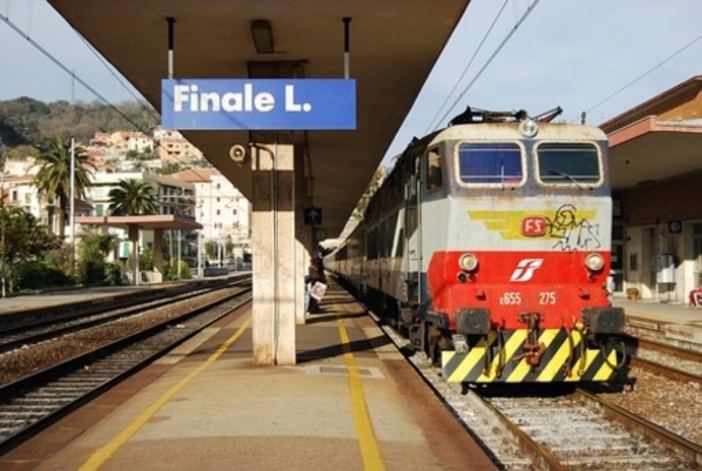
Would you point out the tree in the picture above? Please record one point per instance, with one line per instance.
(133, 198)
(101, 243)
(54, 176)
(92, 269)
(170, 168)
(23, 239)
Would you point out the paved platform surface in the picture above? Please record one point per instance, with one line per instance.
(35, 301)
(660, 311)
(350, 403)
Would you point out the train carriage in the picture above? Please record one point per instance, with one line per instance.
(489, 245)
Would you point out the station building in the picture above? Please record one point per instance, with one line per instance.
(656, 164)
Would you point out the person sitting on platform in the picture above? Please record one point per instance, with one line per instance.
(312, 277)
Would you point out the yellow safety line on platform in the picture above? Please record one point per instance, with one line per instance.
(364, 429)
(103, 454)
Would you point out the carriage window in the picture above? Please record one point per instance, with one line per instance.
(490, 163)
(434, 179)
(568, 163)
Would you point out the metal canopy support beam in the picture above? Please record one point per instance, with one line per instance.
(347, 48)
(171, 45)
(273, 226)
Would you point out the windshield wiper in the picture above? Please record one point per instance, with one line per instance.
(567, 177)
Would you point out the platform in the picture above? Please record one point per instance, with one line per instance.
(352, 402)
(659, 311)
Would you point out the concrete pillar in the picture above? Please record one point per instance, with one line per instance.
(273, 229)
(134, 253)
(158, 254)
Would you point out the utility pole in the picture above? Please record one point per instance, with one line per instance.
(3, 156)
(72, 202)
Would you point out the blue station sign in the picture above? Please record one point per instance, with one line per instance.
(258, 104)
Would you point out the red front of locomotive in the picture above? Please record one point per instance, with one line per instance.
(512, 287)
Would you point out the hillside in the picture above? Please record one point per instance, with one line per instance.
(26, 121)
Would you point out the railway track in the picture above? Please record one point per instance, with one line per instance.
(679, 364)
(580, 431)
(18, 332)
(570, 430)
(31, 403)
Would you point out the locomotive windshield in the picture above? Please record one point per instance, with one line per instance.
(495, 162)
(562, 162)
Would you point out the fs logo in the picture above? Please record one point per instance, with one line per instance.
(533, 226)
(526, 268)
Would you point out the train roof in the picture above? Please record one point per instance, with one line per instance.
(510, 131)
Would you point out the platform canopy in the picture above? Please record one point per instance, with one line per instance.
(659, 139)
(393, 47)
(158, 221)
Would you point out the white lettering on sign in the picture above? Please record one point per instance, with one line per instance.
(290, 104)
(247, 100)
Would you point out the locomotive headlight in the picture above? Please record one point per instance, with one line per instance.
(528, 128)
(468, 262)
(594, 262)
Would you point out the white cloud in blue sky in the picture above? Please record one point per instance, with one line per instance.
(568, 53)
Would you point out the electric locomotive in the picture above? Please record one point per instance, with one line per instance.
(489, 246)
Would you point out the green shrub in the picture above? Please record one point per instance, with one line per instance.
(36, 275)
(114, 274)
(171, 269)
(91, 271)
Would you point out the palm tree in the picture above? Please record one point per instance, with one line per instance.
(132, 198)
(54, 176)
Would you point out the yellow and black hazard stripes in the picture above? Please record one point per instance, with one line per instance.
(499, 359)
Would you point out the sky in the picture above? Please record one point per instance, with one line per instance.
(598, 56)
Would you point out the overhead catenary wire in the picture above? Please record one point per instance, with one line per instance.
(465, 69)
(63, 67)
(632, 82)
(526, 14)
(152, 113)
